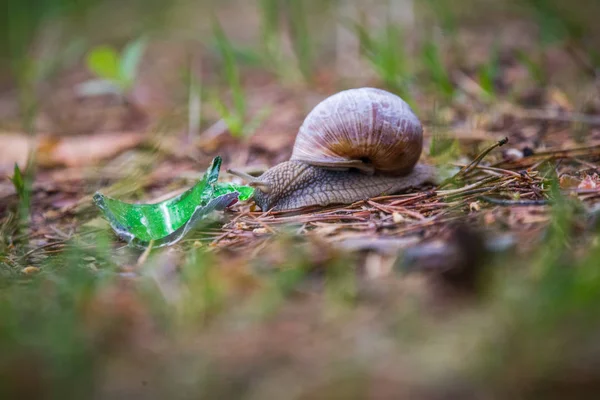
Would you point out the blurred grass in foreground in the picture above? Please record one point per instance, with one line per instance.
(63, 328)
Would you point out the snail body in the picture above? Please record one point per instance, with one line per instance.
(356, 144)
(296, 184)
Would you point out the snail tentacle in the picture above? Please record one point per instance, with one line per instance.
(252, 180)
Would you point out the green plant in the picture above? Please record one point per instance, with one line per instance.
(533, 66)
(116, 73)
(437, 71)
(269, 25)
(204, 287)
(300, 36)
(563, 25)
(43, 324)
(18, 182)
(443, 146)
(235, 117)
(272, 56)
(445, 16)
(386, 54)
(341, 286)
(489, 72)
(22, 183)
(555, 25)
(194, 99)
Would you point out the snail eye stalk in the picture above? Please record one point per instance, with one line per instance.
(252, 180)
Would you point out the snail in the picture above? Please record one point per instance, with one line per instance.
(354, 145)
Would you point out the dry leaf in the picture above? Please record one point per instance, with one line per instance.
(85, 150)
(568, 182)
(73, 151)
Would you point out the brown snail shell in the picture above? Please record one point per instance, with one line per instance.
(369, 129)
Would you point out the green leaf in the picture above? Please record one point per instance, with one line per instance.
(270, 11)
(167, 222)
(387, 57)
(300, 36)
(18, 181)
(551, 26)
(130, 60)
(234, 121)
(103, 61)
(490, 71)
(230, 69)
(432, 60)
(22, 184)
(442, 144)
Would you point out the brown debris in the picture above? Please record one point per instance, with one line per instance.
(74, 151)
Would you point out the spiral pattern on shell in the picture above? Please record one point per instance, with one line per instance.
(365, 128)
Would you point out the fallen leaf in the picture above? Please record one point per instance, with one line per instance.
(568, 182)
(72, 151)
(85, 150)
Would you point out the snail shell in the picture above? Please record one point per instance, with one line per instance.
(354, 145)
(369, 129)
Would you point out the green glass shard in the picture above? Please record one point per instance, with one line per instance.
(245, 192)
(167, 222)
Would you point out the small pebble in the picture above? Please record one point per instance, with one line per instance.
(513, 154)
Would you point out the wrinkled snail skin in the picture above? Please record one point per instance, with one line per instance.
(296, 184)
(356, 144)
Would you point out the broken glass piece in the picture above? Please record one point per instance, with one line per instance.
(167, 222)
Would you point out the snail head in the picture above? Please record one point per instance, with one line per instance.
(253, 181)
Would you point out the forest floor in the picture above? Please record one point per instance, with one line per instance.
(485, 287)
